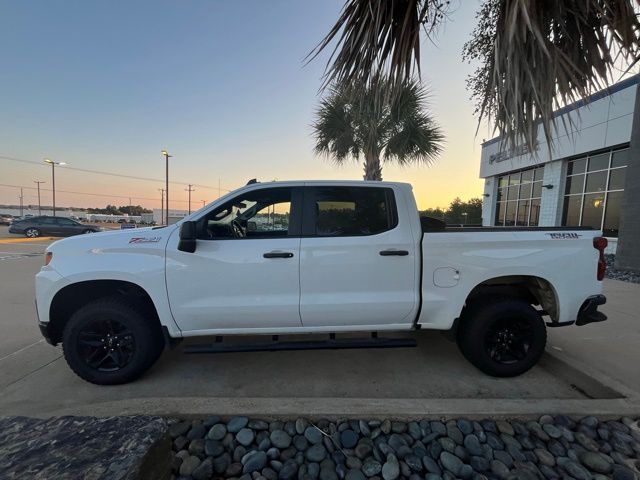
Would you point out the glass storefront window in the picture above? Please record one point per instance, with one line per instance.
(593, 199)
(518, 201)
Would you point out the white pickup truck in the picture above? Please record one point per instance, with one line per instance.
(314, 257)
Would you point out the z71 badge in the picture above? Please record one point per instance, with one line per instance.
(145, 240)
(564, 236)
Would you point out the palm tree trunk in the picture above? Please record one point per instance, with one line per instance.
(628, 252)
(372, 168)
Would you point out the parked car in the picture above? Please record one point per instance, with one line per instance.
(54, 226)
(341, 257)
(6, 219)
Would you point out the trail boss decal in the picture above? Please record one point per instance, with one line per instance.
(564, 236)
(145, 240)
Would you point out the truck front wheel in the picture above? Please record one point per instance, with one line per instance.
(502, 336)
(109, 342)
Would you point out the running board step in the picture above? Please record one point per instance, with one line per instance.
(332, 344)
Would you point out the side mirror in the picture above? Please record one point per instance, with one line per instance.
(187, 241)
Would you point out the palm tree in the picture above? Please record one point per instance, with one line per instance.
(535, 55)
(359, 121)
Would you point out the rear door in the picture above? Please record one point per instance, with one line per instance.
(357, 259)
(67, 227)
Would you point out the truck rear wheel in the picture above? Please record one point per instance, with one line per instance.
(109, 342)
(502, 336)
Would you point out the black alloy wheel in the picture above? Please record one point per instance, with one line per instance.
(508, 341)
(106, 345)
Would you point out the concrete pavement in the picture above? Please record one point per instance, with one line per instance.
(432, 379)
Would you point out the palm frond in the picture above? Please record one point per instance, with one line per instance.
(537, 56)
(379, 38)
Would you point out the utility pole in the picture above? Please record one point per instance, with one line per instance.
(161, 190)
(190, 190)
(53, 180)
(219, 191)
(203, 203)
(21, 197)
(39, 207)
(166, 186)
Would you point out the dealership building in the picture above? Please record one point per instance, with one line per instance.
(580, 182)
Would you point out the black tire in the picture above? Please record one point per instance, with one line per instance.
(32, 232)
(502, 336)
(132, 347)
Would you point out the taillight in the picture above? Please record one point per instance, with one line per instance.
(600, 243)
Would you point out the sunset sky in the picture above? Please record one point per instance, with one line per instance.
(105, 86)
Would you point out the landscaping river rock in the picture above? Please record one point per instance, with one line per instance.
(554, 447)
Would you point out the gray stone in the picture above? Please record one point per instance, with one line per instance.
(213, 448)
(465, 471)
(288, 471)
(348, 439)
(451, 462)
(499, 469)
(371, 467)
(301, 425)
(385, 427)
(503, 457)
(494, 441)
(591, 422)
(480, 464)
(438, 427)
(432, 476)
(556, 448)
(354, 474)
(179, 428)
(455, 434)
(545, 420)
(552, 430)
(255, 462)
(548, 472)
(364, 428)
(447, 444)
(197, 431)
(461, 453)
(280, 439)
(269, 473)
(587, 442)
(391, 468)
(504, 427)
(313, 469)
(544, 457)
(189, 464)
(264, 444)
(414, 430)
(221, 463)
(236, 424)
(341, 470)
(316, 453)
(398, 427)
(431, 465)
(413, 462)
(233, 470)
(465, 426)
(204, 471)
(396, 441)
(300, 442)
(258, 425)
(595, 461)
(353, 462)
(472, 444)
(575, 470)
(196, 447)
(363, 450)
(623, 473)
(314, 435)
(180, 443)
(245, 437)
(217, 432)
(328, 474)
(403, 451)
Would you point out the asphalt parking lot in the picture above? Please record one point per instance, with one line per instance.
(589, 367)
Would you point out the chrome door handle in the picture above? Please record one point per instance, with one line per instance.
(277, 255)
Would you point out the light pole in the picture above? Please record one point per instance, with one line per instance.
(166, 186)
(464, 214)
(39, 207)
(161, 190)
(21, 201)
(53, 180)
(204, 202)
(189, 190)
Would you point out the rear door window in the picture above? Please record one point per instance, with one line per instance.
(349, 211)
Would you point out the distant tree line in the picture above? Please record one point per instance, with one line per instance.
(124, 210)
(458, 212)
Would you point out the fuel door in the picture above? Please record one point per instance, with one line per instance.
(446, 277)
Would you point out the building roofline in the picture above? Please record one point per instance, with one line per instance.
(605, 92)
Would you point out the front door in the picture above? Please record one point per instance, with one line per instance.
(244, 274)
(358, 260)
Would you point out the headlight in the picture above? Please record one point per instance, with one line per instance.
(48, 256)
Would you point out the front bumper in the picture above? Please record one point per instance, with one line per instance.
(589, 313)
